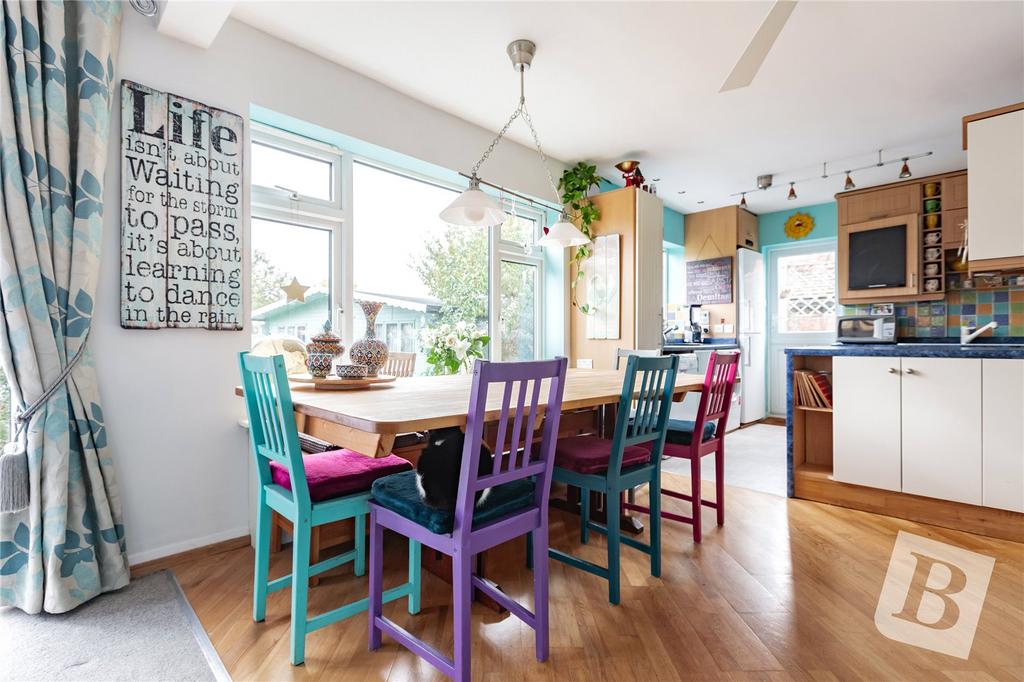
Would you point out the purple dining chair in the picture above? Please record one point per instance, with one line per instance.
(516, 505)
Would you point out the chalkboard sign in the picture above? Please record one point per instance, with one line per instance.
(709, 281)
(181, 219)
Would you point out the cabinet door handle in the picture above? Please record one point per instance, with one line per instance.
(892, 370)
(910, 370)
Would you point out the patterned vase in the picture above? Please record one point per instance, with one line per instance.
(321, 351)
(370, 350)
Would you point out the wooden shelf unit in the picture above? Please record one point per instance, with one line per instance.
(940, 275)
(812, 426)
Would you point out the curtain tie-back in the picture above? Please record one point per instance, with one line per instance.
(14, 485)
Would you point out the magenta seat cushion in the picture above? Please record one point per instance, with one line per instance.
(336, 473)
(590, 454)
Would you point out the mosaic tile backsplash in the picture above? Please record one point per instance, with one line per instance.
(961, 307)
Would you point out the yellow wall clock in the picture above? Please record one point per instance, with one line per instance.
(799, 225)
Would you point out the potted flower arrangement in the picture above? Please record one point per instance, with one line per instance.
(451, 348)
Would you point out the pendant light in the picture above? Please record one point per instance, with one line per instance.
(792, 192)
(848, 185)
(743, 200)
(905, 171)
(475, 208)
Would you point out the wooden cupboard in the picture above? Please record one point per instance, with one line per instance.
(995, 160)
(638, 217)
(866, 451)
(1002, 434)
(941, 433)
(873, 204)
(911, 266)
(716, 234)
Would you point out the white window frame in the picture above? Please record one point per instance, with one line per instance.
(300, 146)
(337, 216)
(507, 250)
(302, 211)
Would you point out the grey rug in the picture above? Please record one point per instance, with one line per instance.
(755, 458)
(146, 631)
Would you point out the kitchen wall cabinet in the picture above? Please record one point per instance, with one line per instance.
(715, 234)
(881, 203)
(1002, 438)
(954, 191)
(866, 421)
(995, 161)
(941, 434)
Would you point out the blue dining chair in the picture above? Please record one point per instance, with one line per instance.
(309, 491)
(612, 467)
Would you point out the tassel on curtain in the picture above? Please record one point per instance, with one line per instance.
(56, 87)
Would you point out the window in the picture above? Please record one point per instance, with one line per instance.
(425, 271)
(806, 292)
(353, 230)
(519, 276)
(287, 169)
(296, 235)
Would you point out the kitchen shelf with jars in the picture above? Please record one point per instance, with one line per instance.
(932, 256)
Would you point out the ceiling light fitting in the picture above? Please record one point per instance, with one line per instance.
(475, 208)
(792, 192)
(743, 200)
(764, 182)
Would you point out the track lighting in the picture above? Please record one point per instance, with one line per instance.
(905, 171)
(743, 200)
(848, 185)
(792, 192)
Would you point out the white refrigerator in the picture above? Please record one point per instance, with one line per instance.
(750, 334)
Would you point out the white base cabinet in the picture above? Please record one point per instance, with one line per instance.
(941, 443)
(866, 421)
(947, 428)
(1002, 434)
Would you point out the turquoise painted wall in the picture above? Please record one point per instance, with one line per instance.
(771, 226)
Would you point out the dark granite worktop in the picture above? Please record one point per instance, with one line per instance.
(999, 347)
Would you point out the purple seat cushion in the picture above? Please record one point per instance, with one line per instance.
(590, 454)
(336, 473)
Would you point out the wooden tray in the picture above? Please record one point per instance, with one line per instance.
(336, 383)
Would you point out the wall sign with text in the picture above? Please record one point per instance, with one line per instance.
(181, 215)
(709, 281)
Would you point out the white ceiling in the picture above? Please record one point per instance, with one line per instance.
(616, 80)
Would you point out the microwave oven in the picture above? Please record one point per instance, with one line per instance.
(866, 329)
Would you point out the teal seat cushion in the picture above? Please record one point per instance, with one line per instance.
(680, 431)
(399, 493)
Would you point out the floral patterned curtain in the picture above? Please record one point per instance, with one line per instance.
(56, 84)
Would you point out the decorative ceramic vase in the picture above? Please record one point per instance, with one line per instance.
(370, 350)
(321, 351)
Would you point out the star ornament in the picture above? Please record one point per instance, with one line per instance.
(295, 291)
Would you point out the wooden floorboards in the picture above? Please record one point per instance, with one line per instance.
(786, 590)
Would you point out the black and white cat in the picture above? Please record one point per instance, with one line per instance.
(439, 466)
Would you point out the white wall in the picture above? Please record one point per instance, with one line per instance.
(182, 460)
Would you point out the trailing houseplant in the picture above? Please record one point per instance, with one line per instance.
(575, 185)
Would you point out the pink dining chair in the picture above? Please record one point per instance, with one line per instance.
(712, 416)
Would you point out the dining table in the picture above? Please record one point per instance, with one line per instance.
(370, 420)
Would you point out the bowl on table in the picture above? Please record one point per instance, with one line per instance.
(350, 371)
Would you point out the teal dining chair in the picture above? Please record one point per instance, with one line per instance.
(614, 466)
(309, 491)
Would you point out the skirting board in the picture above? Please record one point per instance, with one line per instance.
(813, 483)
(179, 547)
(169, 562)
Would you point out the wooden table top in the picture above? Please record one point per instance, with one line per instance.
(419, 403)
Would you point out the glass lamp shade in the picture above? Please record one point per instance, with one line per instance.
(562, 235)
(474, 208)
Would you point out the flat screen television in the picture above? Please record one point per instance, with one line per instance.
(878, 258)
